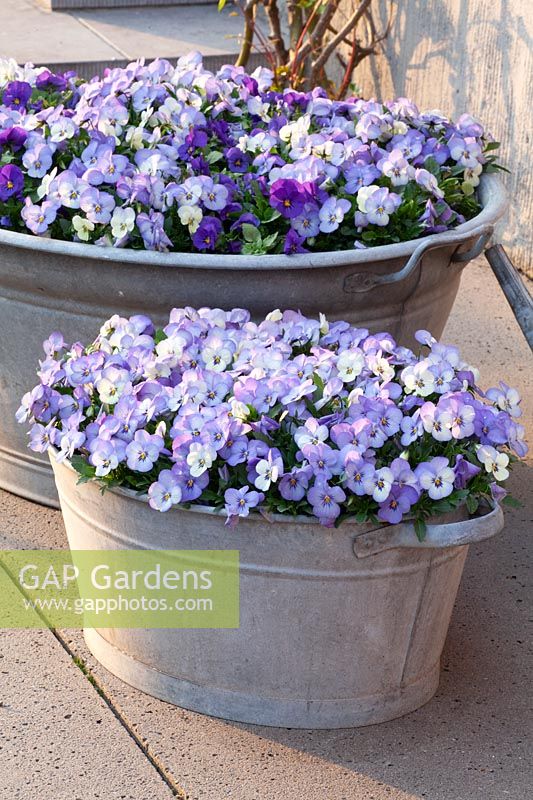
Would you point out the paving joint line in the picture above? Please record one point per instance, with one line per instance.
(177, 790)
(101, 36)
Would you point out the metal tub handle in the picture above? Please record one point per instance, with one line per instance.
(438, 536)
(365, 281)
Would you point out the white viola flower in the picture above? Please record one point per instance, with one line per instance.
(62, 129)
(381, 367)
(311, 433)
(494, 461)
(239, 410)
(217, 357)
(274, 316)
(199, 459)
(362, 196)
(379, 484)
(259, 109)
(44, 188)
(471, 175)
(83, 227)
(122, 221)
(350, 364)
(324, 324)
(267, 473)
(8, 70)
(190, 216)
(418, 380)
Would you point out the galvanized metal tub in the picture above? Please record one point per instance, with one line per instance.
(338, 628)
(48, 285)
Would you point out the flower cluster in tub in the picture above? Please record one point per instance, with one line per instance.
(293, 415)
(176, 158)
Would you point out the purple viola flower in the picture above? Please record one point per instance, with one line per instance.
(239, 502)
(307, 224)
(207, 233)
(395, 506)
(165, 492)
(144, 451)
(358, 473)
(49, 80)
(294, 244)
(325, 500)
(191, 486)
(237, 160)
(436, 477)
(288, 197)
(17, 94)
(152, 231)
(13, 138)
(294, 484)
(322, 459)
(464, 472)
(11, 181)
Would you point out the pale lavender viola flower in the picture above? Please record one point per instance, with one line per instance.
(98, 206)
(143, 451)
(436, 477)
(324, 461)
(38, 218)
(397, 504)
(332, 214)
(239, 502)
(42, 437)
(358, 473)
(165, 492)
(380, 205)
(38, 160)
(294, 484)
(462, 416)
(325, 500)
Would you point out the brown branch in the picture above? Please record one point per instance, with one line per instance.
(315, 40)
(276, 36)
(248, 34)
(330, 48)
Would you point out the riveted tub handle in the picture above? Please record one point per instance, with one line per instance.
(477, 248)
(451, 534)
(365, 281)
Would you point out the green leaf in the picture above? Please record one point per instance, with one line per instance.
(472, 504)
(160, 336)
(492, 146)
(251, 233)
(221, 4)
(214, 156)
(420, 529)
(512, 502)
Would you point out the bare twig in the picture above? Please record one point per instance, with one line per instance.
(336, 41)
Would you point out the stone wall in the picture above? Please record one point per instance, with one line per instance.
(476, 56)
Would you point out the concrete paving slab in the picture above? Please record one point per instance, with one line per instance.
(58, 738)
(157, 31)
(30, 32)
(469, 743)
